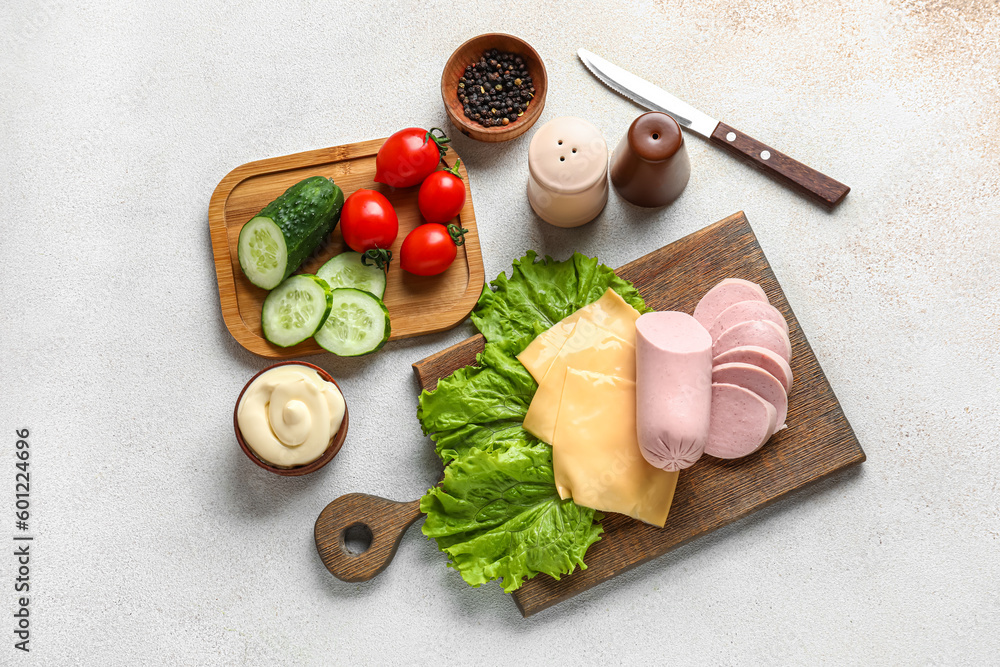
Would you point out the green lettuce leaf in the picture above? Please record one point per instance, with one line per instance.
(497, 388)
(480, 406)
(497, 513)
(498, 516)
(489, 437)
(539, 294)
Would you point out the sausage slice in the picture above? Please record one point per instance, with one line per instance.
(760, 332)
(761, 357)
(730, 291)
(756, 380)
(742, 422)
(746, 311)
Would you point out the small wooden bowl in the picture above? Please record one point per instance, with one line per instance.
(331, 450)
(469, 53)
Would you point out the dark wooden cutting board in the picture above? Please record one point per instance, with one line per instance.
(818, 441)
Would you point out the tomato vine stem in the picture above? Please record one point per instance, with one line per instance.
(457, 234)
(380, 257)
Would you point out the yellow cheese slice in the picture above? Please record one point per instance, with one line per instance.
(588, 348)
(610, 312)
(596, 454)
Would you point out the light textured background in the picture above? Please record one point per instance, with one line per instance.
(158, 542)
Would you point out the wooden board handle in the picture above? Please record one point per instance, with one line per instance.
(385, 520)
(806, 180)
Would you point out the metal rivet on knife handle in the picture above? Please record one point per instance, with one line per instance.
(776, 164)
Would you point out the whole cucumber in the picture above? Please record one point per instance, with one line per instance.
(275, 242)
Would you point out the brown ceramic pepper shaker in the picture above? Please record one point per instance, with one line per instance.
(650, 166)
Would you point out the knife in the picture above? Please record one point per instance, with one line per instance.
(792, 173)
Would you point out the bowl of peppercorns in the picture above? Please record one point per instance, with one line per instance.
(493, 87)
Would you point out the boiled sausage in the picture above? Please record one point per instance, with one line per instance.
(673, 388)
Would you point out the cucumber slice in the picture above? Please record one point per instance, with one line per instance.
(295, 309)
(262, 252)
(346, 270)
(358, 324)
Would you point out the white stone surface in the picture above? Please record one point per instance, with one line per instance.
(159, 543)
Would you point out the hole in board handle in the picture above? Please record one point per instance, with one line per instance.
(357, 539)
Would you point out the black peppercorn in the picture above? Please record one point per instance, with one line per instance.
(496, 89)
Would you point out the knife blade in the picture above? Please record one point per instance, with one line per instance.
(790, 172)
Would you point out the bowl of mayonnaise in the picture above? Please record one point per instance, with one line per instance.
(291, 418)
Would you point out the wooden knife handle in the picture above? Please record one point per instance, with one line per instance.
(386, 520)
(806, 180)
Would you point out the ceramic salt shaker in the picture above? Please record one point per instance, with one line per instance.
(568, 167)
(650, 166)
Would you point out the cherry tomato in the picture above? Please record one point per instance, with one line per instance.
(442, 195)
(409, 156)
(369, 225)
(430, 248)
